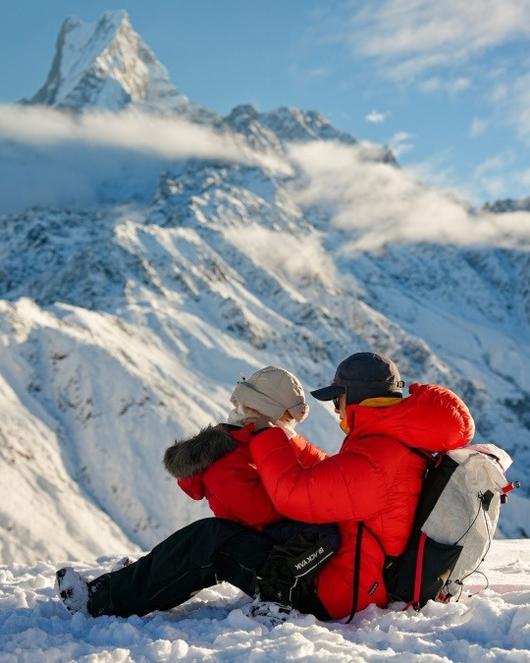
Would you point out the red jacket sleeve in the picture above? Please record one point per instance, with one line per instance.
(192, 486)
(308, 454)
(348, 485)
(239, 494)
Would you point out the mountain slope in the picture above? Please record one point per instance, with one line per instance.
(141, 325)
(125, 325)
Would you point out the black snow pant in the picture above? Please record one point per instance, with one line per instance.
(198, 556)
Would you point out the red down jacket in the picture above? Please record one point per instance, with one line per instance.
(231, 483)
(374, 479)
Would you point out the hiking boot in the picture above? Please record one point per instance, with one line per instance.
(72, 589)
(268, 612)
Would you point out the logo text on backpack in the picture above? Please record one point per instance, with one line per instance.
(310, 558)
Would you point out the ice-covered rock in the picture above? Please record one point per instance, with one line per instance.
(107, 65)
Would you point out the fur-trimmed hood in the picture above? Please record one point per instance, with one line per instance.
(190, 456)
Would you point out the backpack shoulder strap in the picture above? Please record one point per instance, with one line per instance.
(426, 455)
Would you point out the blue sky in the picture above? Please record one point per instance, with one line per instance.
(447, 85)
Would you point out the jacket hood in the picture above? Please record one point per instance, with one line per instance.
(193, 455)
(432, 418)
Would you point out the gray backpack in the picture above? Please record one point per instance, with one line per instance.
(455, 523)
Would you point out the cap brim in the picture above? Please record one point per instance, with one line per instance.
(328, 393)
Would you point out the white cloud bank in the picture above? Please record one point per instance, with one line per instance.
(164, 137)
(285, 253)
(380, 204)
(51, 158)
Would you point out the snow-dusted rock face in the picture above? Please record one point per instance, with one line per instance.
(284, 125)
(125, 326)
(279, 128)
(106, 65)
(508, 205)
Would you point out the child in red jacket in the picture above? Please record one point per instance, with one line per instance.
(216, 463)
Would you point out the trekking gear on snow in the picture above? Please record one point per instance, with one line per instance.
(455, 522)
(299, 554)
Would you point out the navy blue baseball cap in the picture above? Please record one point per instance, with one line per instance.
(363, 375)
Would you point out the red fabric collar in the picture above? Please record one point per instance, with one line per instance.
(432, 418)
(242, 435)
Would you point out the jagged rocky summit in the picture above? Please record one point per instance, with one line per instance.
(507, 205)
(107, 65)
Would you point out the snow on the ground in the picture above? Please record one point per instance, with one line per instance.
(491, 626)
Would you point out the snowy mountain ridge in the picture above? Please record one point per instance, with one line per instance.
(508, 205)
(107, 65)
(125, 324)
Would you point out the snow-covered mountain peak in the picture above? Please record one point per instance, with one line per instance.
(107, 65)
(508, 205)
(285, 124)
(298, 125)
(280, 128)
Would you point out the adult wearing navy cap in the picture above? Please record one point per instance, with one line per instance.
(363, 375)
(371, 487)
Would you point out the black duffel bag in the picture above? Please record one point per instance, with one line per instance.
(300, 552)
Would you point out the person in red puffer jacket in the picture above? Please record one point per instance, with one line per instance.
(372, 486)
(216, 463)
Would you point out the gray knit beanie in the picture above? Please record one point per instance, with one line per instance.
(271, 391)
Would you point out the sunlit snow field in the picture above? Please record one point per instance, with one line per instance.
(491, 626)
